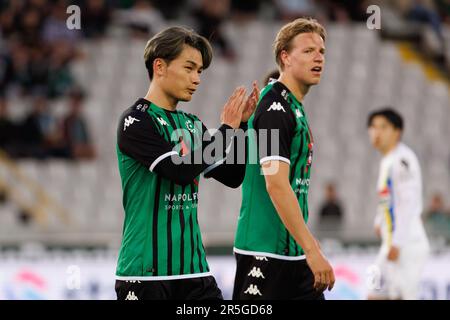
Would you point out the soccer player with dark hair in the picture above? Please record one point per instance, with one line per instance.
(277, 256)
(398, 222)
(161, 156)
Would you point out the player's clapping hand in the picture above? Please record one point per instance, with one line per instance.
(322, 270)
(232, 111)
(251, 103)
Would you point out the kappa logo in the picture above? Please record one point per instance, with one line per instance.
(131, 296)
(132, 281)
(253, 290)
(256, 273)
(298, 113)
(261, 258)
(129, 121)
(276, 106)
(162, 121)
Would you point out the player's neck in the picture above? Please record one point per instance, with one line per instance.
(389, 149)
(299, 90)
(157, 96)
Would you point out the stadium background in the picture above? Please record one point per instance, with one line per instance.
(62, 92)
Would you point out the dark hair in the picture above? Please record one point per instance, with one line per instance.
(168, 44)
(274, 74)
(390, 114)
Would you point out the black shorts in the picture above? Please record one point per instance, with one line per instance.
(203, 288)
(264, 278)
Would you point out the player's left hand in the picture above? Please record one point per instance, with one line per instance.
(393, 254)
(251, 103)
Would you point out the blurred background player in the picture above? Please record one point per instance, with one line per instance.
(277, 256)
(404, 247)
(162, 255)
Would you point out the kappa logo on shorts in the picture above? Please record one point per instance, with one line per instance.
(261, 258)
(256, 273)
(253, 290)
(129, 121)
(131, 296)
(276, 106)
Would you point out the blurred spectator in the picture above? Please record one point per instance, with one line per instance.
(95, 16)
(443, 7)
(60, 78)
(209, 19)
(6, 72)
(8, 130)
(292, 9)
(55, 28)
(39, 131)
(437, 218)
(342, 11)
(244, 11)
(170, 9)
(75, 130)
(330, 211)
(424, 11)
(143, 19)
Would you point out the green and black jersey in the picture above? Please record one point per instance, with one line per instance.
(260, 230)
(161, 235)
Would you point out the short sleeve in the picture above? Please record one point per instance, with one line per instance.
(138, 138)
(274, 124)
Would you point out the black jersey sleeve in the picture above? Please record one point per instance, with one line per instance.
(230, 171)
(138, 138)
(274, 124)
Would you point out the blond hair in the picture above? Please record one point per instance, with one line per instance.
(288, 32)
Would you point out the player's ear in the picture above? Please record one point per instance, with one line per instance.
(159, 67)
(285, 58)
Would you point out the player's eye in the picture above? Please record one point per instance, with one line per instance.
(188, 68)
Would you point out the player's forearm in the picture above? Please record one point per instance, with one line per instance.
(285, 202)
(232, 171)
(184, 169)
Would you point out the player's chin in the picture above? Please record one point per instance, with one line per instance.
(314, 81)
(185, 98)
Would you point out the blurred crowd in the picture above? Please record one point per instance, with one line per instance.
(37, 50)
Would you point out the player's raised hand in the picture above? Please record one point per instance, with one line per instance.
(251, 102)
(322, 270)
(232, 111)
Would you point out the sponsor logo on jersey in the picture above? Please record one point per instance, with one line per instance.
(276, 106)
(302, 182)
(256, 273)
(181, 196)
(253, 290)
(129, 121)
(261, 258)
(162, 121)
